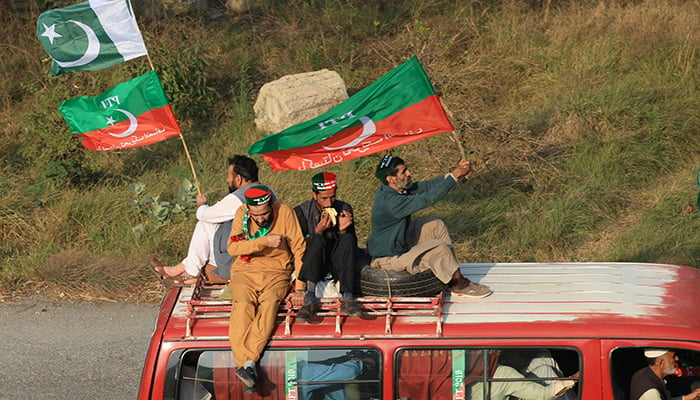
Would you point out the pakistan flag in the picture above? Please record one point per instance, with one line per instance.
(90, 36)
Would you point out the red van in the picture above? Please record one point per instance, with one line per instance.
(563, 330)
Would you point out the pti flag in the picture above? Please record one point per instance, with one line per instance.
(397, 109)
(131, 114)
(90, 36)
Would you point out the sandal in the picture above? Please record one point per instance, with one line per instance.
(155, 265)
(182, 280)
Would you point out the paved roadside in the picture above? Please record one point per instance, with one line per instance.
(51, 350)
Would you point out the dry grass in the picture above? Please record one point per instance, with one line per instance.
(581, 119)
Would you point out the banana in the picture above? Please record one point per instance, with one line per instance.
(332, 213)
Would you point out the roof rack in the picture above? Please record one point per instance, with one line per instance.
(205, 303)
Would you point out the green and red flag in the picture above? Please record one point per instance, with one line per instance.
(89, 36)
(131, 114)
(398, 108)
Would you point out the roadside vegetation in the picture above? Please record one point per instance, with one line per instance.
(582, 117)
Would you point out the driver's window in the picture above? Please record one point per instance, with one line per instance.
(633, 369)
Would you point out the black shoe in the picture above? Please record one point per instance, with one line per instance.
(351, 308)
(247, 375)
(307, 311)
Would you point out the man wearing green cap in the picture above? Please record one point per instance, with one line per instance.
(398, 243)
(331, 244)
(268, 245)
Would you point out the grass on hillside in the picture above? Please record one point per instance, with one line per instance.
(582, 122)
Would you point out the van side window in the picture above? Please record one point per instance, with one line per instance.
(314, 374)
(626, 361)
(495, 373)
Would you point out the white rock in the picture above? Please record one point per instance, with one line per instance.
(293, 99)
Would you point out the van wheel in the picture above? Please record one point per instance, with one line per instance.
(381, 283)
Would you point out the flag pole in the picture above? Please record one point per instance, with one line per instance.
(455, 137)
(150, 62)
(187, 152)
(182, 138)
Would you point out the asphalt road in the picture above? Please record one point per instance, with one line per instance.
(52, 350)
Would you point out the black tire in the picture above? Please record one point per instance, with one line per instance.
(380, 283)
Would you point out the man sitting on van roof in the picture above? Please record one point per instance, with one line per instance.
(267, 244)
(648, 383)
(398, 243)
(331, 244)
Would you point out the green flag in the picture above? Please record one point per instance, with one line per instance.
(90, 36)
(131, 114)
(398, 108)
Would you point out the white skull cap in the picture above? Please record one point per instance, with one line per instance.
(653, 353)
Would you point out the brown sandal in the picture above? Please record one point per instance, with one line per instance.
(182, 280)
(166, 280)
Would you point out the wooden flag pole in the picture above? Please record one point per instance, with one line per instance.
(194, 173)
(456, 139)
(150, 62)
(182, 138)
(455, 136)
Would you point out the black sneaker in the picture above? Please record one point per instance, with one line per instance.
(351, 308)
(247, 375)
(307, 311)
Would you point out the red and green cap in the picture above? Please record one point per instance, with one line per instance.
(257, 195)
(324, 181)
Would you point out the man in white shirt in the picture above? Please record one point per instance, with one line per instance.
(210, 236)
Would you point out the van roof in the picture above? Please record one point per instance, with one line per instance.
(633, 300)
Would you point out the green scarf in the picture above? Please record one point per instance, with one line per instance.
(262, 231)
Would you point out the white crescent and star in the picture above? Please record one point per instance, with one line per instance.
(368, 129)
(91, 52)
(133, 124)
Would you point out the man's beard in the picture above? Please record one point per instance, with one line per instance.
(670, 370)
(265, 223)
(404, 183)
(231, 189)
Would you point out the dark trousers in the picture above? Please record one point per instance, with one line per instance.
(336, 256)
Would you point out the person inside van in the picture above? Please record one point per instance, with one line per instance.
(542, 365)
(328, 379)
(399, 243)
(648, 383)
(331, 244)
(430, 373)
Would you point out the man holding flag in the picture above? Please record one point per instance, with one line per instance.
(398, 243)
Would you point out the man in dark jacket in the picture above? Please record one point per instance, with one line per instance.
(648, 383)
(398, 243)
(331, 244)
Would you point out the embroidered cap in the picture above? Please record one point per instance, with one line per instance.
(323, 181)
(257, 195)
(383, 167)
(653, 353)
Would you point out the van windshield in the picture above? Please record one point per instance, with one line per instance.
(318, 374)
